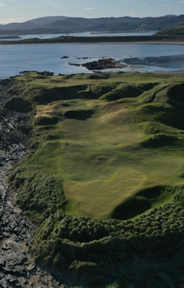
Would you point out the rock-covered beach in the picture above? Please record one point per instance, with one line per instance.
(17, 269)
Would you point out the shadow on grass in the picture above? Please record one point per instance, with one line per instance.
(137, 204)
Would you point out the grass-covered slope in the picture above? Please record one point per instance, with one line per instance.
(176, 31)
(105, 148)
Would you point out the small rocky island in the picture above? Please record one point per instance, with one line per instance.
(104, 63)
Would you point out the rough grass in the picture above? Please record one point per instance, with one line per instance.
(122, 159)
(104, 152)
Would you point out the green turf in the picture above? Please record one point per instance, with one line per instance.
(104, 179)
(107, 138)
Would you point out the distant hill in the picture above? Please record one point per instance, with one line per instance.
(19, 26)
(62, 24)
(39, 23)
(46, 20)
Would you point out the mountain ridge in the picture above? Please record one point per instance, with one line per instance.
(64, 24)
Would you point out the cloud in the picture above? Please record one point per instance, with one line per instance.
(89, 8)
(12, 20)
(144, 4)
(166, 5)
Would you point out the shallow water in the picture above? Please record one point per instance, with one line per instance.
(174, 61)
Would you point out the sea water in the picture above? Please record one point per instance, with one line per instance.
(48, 57)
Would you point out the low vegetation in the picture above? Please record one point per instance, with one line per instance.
(105, 174)
(177, 31)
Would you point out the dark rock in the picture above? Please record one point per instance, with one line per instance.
(15, 230)
(106, 63)
(1, 275)
(75, 64)
(44, 73)
(26, 129)
(64, 57)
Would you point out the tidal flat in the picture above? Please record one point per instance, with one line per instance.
(103, 181)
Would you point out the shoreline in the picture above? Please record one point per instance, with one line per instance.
(104, 40)
(94, 43)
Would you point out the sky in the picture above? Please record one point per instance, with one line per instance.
(23, 10)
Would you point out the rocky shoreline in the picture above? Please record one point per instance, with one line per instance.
(17, 269)
(96, 39)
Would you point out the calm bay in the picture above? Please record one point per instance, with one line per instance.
(47, 57)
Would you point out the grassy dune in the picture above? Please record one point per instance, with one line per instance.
(105, 147)
(109, 151)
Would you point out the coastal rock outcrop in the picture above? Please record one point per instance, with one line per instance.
(106, 63)
(17, 269)
(101, 64)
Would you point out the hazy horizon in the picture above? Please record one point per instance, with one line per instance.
(12, 11)
(86, 17)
